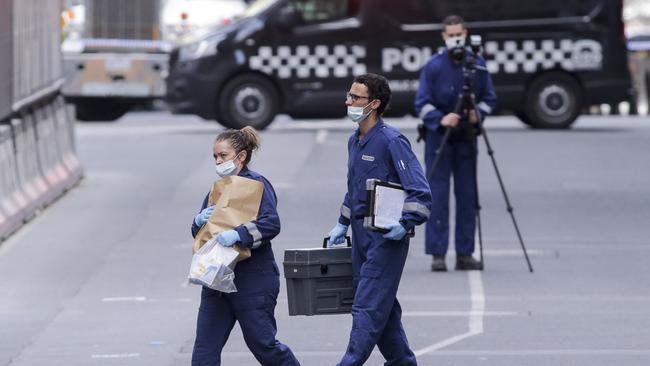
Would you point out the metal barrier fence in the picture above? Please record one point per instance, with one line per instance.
(37, 62)
(6, 58)
(38, 162)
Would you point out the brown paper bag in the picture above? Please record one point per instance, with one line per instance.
(236, 200)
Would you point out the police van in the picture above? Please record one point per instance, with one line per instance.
(549, 59)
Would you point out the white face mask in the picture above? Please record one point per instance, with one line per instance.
(356, 113)
(453, 42)
(227, 168)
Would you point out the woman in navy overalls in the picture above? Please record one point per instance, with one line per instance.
(257, 278)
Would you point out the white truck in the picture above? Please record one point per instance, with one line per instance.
(114, 58)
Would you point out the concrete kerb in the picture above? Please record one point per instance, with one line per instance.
(64, 127)
(11, 211)
(29, 177)
(49, 154)
(38, 161)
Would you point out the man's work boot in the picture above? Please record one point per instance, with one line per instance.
(468, 263)
(439, 264)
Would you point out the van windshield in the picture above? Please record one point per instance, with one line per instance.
(257, 7)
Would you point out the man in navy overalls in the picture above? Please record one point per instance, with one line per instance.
(377, 150)
(441, 82)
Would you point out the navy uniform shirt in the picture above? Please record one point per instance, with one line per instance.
(385, 154)
(441, 81)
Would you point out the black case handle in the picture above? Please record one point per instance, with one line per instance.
(327, 238)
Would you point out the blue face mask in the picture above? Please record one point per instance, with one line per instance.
(356, 113)
(227, 168)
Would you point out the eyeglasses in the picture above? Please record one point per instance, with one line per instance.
(354, 97)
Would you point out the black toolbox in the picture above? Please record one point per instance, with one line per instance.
(319, 280)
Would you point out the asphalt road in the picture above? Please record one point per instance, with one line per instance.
(98, 278)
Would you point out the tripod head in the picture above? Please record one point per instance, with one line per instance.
(468, 56)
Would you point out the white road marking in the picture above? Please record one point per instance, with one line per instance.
(284, 123)
(523, 352)
(116, 355)
(321, 136)
(125, 299)
(456, 313)
(341, 124)
(477, 311)
(549, 352)
(495, 253)
(510, 252)
(532, 298)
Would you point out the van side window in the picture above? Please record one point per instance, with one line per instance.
(487, 10)
(320, 11)
(411, 11)
(433, 11)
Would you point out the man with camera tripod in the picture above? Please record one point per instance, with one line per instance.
(441, 105)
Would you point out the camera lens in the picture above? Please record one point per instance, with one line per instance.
(458, 53)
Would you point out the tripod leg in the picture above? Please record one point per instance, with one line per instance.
(478, 206)
(438, 153)
(457, 109)
(505, 195)
(472, 101)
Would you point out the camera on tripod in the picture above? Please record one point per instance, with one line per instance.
(468, 56)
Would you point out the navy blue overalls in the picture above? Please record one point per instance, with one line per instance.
(258, 284)
(377, 263)
(441, 82)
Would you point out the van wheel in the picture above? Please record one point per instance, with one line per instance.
(553, 101)
(248, 100)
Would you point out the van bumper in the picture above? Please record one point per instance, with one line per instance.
(512, 97)
(115, 75)
(192, 92)
(608, 91)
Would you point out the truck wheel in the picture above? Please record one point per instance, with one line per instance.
(553, 101)
(94, 110)
(248, 100)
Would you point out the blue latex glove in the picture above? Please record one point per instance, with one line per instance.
(337, 234)
(228, 238)
(203, 216)
(396, 232)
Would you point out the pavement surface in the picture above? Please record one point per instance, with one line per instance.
(98, 278)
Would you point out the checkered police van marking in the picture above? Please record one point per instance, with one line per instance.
(303, 62)
(531, 55)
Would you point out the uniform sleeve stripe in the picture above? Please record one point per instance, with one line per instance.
(256, 244)
(416, 207)
(485, 108)
(345, 212)
(255, 233)
(426, 109)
